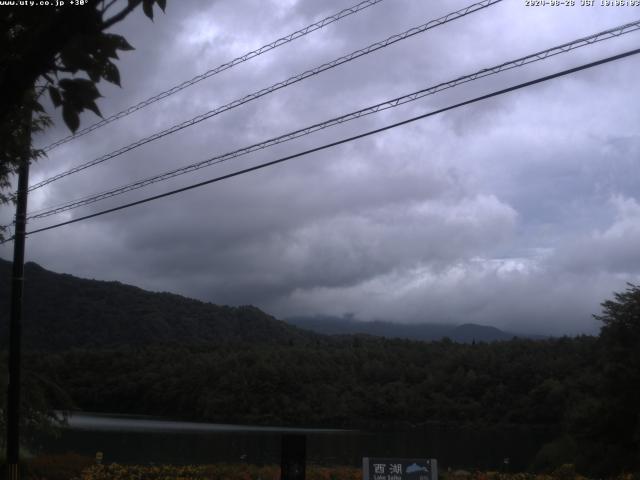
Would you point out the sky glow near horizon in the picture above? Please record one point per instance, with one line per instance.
(520, 212)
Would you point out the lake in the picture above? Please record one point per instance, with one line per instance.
(145, 440)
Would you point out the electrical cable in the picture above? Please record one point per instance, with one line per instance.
(277, 86)
(214, 71)
(535, 57)
(342, 141)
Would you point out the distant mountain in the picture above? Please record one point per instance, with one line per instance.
(466, 333)
(480, 333)
(62, 311)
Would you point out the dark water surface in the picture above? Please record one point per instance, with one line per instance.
(146, 440)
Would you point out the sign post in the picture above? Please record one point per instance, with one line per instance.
(399, 468)
(294, 457)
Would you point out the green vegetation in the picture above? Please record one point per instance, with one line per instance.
(107, 347)
(605, 423)
(64, 52)
(352, 382)
(347, 325)
(62, 312)
(71, 467)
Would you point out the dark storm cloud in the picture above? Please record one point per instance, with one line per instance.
(520, 211)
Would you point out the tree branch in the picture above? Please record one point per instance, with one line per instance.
(107, 6)
(120, 15)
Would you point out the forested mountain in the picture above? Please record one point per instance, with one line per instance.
(62, 311)
(347, 382)
(362, 382)
(466, 333)
(167, 355)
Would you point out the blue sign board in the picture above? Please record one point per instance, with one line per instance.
(399, 468)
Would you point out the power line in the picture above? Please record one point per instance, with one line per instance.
(214, 71)
(277, 86)
(535, 57)
(340, 142)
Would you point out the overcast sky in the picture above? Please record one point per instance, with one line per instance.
(522, 211)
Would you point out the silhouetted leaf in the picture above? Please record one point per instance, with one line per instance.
(108, 47)
(74, 56)
(93, 107)
(147, 8)
(70, 117)
(37, 108)
(78, 94)
(94, 72)
(54, 93)
(111, 73)
(162, 4)
(117, 42)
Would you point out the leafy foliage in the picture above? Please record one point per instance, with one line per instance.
(14, 145)
(313, 472)
(37, 395)
(64, 52)
(350, 382)
(616, 414)
(58, 467)
(212, 472)
(67, 41)
(104, 346)
(63, 312)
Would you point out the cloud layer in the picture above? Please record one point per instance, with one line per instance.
(520, 211)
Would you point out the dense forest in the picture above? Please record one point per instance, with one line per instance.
(240, 365)
(359, 382)
(347, 325)
(63, 312)
(351, 382)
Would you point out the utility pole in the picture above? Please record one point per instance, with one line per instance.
(17, 284)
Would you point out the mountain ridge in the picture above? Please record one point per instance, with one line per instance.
(62, 311)
(463, 333)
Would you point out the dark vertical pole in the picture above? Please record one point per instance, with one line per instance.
(294, 457)
(17, 283)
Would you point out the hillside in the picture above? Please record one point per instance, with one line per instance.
(62, 311)
(352, 382)
(114, 348)
(466, 333)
